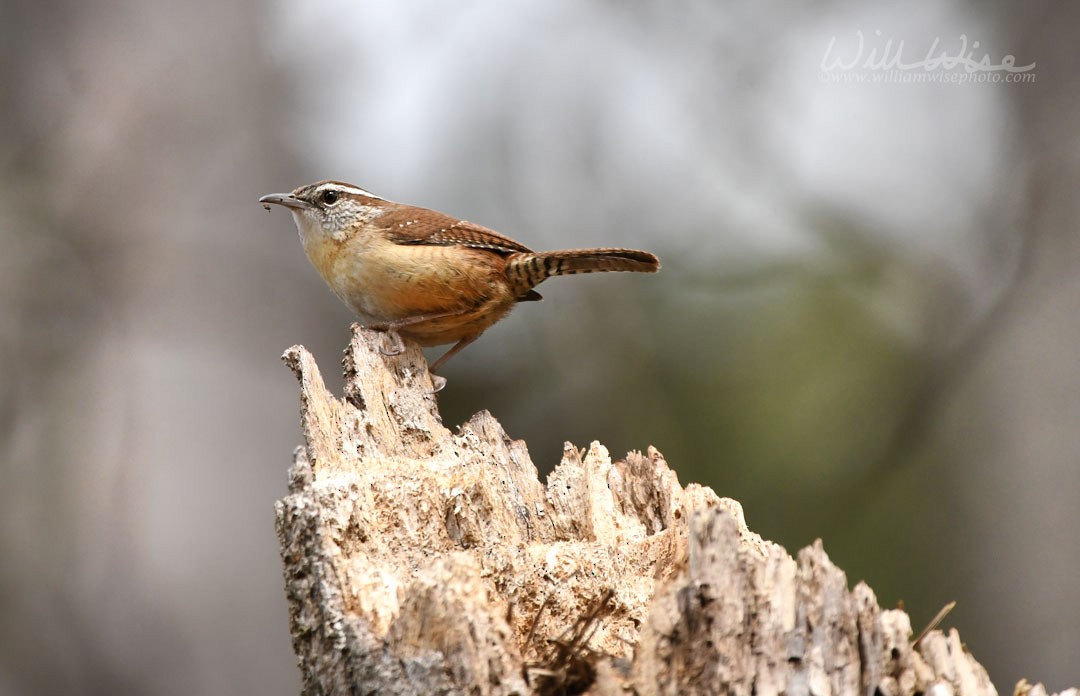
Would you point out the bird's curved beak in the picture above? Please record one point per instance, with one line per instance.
(286, 199)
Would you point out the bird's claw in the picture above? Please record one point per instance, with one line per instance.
(397, 346)
(438, 382)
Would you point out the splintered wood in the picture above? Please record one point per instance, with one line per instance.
(421, 561)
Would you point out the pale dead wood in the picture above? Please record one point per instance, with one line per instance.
(421, 561)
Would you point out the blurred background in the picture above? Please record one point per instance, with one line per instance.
(866, 327)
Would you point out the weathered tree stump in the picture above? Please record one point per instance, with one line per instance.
(421, 561)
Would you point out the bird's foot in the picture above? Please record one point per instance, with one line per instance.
(438, 382)
(397, 346)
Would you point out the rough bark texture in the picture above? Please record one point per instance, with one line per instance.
(421, 561)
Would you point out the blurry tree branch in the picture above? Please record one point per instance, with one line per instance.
(422, 561)
(947, 369)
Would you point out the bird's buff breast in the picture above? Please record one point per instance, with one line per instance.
(382, 282)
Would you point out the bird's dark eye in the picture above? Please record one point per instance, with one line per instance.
(330, 197)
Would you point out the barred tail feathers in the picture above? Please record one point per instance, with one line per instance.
(529, 270)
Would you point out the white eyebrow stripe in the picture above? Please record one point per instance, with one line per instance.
(351, 189)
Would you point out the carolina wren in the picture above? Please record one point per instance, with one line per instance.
(425, 275)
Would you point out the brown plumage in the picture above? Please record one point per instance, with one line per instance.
(423, 274)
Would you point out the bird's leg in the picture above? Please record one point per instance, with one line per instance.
(392, 327)
(452, 352)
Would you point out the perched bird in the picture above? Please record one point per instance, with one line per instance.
(425, 275)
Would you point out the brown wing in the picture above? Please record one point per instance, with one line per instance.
(408, 225)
